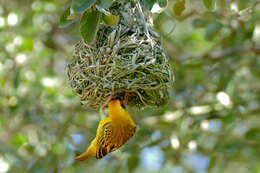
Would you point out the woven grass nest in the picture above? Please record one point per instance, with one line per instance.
(124, 58)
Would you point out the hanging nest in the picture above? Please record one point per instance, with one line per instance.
(124, 58)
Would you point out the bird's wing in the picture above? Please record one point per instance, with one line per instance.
(101, 126)
(104, 140)
(111, 139)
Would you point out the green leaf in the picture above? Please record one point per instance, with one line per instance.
(221, 3)
(179, 7)
(28, 44)
(159, 23)
(105, 3)
(16, 79)
(79, 6)
(162, 3)
(1, 122)
(253, 134)
(19, 140)
(110, 20)
(89, 24)
(148, 4)
(133, 162)
(209, 4)
(212, 30)
(200, 22)
(64, 22)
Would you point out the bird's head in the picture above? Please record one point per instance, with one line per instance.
(116, 97)
(116, 100)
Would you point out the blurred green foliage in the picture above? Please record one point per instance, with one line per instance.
(211, 123)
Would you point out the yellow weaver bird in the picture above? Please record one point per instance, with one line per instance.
(112, 132)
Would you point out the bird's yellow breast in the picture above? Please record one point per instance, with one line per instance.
(118, 115)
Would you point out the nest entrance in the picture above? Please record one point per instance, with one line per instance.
(125, 58)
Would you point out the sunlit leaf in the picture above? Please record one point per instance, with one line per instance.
(221, 3)
(19, 140)
(78, 6)
(179, 7)
(27, 44)
(110, 19)
(89, 24)
(209, 4)
(64, 21)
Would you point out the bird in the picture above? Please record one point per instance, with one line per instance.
(112, 132)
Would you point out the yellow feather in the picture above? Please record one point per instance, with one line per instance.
(112, 132)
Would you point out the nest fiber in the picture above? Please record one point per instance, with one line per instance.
(127, 58)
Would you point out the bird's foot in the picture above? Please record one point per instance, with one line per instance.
(106, 102)
(126, 97)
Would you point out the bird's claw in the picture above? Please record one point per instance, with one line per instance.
(106, 102)
(126, 97)
(124, 102)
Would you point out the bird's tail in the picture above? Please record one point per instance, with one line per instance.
(91, 151)
(83, 156)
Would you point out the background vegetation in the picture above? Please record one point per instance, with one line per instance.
(212, 121)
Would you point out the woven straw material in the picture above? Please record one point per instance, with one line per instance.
(124, 58)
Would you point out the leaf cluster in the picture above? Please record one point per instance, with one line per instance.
(94, 12)
(91, 14)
